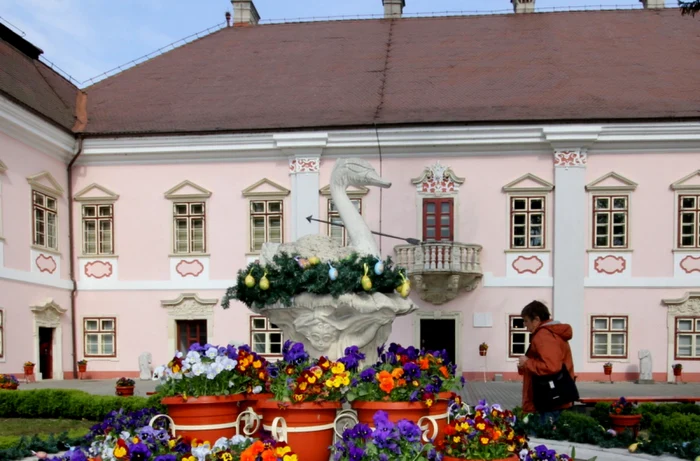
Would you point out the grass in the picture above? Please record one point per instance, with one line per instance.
(12, 429)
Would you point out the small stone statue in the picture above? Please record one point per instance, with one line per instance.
(145, 366)
(645, 366)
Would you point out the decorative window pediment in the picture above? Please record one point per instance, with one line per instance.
(265, 188)
(3, 167)
(437, 179)
(96, 193)
(352, 191)
(612, 182)
(189, 305)
(45, 182)
(187, 190)
(689, 304)
(48, 314)
(528, 183)
(690, 182)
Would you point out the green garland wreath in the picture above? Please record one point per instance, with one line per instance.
(287, 278)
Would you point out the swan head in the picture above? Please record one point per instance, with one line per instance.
(356, 172)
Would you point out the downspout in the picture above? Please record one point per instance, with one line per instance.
(78, 128)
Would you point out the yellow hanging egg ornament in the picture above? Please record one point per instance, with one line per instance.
(314, 260)
(264, 282)
(366, 282)
(405, 288)
(249, 281)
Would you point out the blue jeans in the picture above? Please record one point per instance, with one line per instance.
(549, 417)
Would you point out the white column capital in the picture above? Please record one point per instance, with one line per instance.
(304, 165)
(570, 158)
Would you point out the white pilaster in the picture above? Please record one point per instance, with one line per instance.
(570, 245)
(304, 172)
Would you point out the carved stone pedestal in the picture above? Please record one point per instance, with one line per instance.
(327, 325)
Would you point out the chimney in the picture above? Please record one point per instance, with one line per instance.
(244, 13)
(653, 4)
(523, 6)
(393, 9)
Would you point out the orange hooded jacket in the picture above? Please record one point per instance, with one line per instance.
(549, 349)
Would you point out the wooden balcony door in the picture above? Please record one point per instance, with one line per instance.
(438, 219)
(190, 332)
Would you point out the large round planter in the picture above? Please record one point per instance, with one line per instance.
(450, 458)
(252, 401)
(309, 426)
(621, 422)
(439, 411)
(413, 411)
(124, 391)
(204, 418)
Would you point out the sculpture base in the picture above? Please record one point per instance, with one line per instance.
(327, 325)
(644, 381)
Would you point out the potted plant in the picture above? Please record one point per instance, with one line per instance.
(624, 415)
(607, 368)
(82, 365)
(202, 389)
(542, 453)
(9, 382)
(386, 440)
(29, 368)
(677, 369)
(486, 434)
(307, 395)
(483, 348)
(125, 387)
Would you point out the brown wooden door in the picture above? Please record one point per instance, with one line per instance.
(46, 352)
(190, 332)
(438, 220)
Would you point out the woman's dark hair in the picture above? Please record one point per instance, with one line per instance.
(536, 309)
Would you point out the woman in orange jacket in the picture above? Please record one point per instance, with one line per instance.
(549, 350)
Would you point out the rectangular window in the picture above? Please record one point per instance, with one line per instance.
(2, 333)
(438, 219)
(98, 230)
(45, 220)
(338, 233)
(518, 336)
(609, 337)
(265, 337)
(100, 337)
(266, 223)
(191, 332)
(687, 338)
(527, 221)
(689, 221)
(189, 227)
(610, 221)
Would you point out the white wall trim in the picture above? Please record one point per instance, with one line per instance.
(35, 132)
(506, 282)
(641, 282)
(35, 278)
(396, 143)
(155, 285)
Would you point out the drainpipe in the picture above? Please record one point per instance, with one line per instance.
(78, 128)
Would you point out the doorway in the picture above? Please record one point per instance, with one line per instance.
(46, 352)
(439, 334)
(190, 332)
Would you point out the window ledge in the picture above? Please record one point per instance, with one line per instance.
(525, 250)
(188, 255)
(98, 257)
(46, 250)
(610, 250)
(611, 360)
(101, 359)
(686, 250)
(253, 253)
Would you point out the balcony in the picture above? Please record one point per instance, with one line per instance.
(438, 271)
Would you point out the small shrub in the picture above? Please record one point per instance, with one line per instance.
(675, 427)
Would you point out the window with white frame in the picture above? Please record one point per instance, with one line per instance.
(527, 222)
(337, 232)
(45, 220)
(687, 338)
(189, 221)
(100, 337)
(609, 337)
(265, 337)
(518, 336)
(689, 221)
(98, 229)
(266, 223)
(610, 221)
(2, 333)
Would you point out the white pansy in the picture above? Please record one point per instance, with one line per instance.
(221, 444)
(198, 369)
(257, 389)
(212, 352)
(201, 452)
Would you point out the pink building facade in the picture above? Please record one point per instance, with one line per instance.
(601, 221)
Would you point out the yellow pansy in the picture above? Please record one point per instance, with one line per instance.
(290, 458)
(456, 439)
(227, 457)
(257, 364)
(119, 452)
(318, 372)
(329, 383)
(338, 368)
(283, 451)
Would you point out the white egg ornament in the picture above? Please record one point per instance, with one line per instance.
(332, 273)
(379, 268)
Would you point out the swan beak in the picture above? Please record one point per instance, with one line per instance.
(375, 180)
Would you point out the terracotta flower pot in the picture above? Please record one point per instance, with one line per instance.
(10, 387)
(124, 391)
(439, 411)
(607, 371)
(315, 417)
(621, 422)
(413, 411)
(677, 371)
(82, 368)
(252, 401)
(199, 414)
(28, 370)
(450, 458)
(482, 352)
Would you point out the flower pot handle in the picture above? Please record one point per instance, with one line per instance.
(344, 420)
(432, 424)
(252, 422)
(279, 429)
(456, 406)
(171, 425)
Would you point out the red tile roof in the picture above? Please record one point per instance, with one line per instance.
(33, 84)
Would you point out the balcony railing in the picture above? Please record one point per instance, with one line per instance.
(439, 270)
